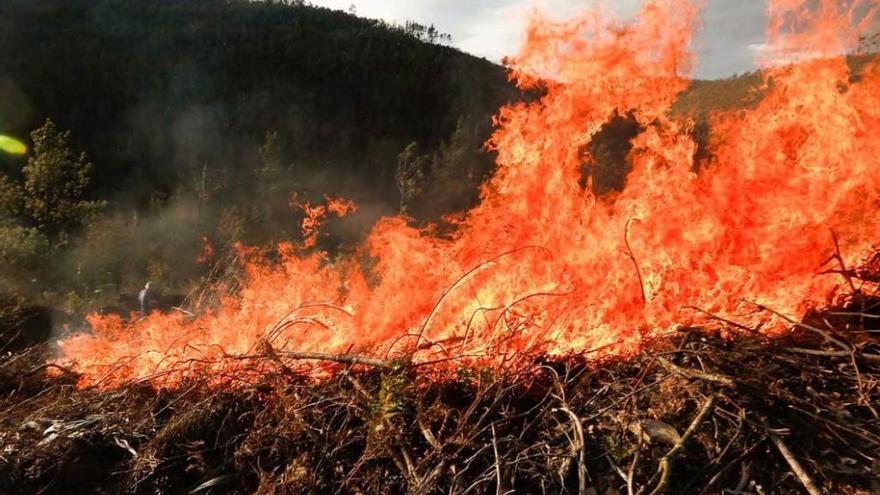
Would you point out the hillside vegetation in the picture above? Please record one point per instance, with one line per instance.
(154, 91)
(202, 116)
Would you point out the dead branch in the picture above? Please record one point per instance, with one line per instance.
(843, 269)
(580, 448)
(692, 373)
(796, 467)
(321, 356)
(46, 366)
(664, 470)
(488, 430)
(632, 257)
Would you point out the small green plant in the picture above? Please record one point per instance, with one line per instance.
(392, 398)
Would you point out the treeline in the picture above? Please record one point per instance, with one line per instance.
(157, 90)
(200, 117)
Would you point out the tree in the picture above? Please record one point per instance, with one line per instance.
(20, 249)
(52, 198)
(428, 34)
(10, 199)
(20, 246)
(446, 180)
(411, 176)
(274, 184)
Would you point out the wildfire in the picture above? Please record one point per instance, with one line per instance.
(207, 254)
(543, 265)
(316, 216)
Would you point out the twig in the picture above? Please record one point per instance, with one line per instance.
(427, 482)
(358, 386)
(321, 356)
(410, 466)
(856, 314)
(615, 467)
(843, 345)
(480, 266)
(723, 320)
(820, 352)
(747, 452)
(796, 467)
(428, 434)
(498, 490)
(664, 470)
(630, 475)
(635, 262)
(185, 312)
(580, 448)
(699, 375)
(839, 258)
(627, 397)
(272, 354)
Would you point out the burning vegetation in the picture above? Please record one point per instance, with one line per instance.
(544, 266)
(706, 325)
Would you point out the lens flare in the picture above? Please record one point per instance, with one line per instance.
(12, 146)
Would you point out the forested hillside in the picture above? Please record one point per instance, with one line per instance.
(200, 117)
(157, 90)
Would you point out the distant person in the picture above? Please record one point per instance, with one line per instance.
(144, 297)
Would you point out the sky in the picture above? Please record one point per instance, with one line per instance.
(732, 29)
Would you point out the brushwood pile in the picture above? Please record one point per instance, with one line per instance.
(697, 413)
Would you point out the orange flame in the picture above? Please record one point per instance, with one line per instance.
(808, 29)
(207, 254)
(317, 215)
(542, 265)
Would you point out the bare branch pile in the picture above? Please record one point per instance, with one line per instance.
(692, 414)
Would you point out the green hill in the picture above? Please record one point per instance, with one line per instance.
(157, 91)
(202, 116)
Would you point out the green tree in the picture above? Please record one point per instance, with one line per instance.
(446, 180)
(411, 177)
(274, 185)
(11, 196)
(20, 250)
(56, 179)
(20, 245)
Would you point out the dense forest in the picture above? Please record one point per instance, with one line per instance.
(156, 90)
(198, 118)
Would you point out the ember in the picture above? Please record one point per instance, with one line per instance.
(543, 265)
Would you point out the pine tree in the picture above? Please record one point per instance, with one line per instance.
(55, 182)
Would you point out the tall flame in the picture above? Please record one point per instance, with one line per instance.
(543, 265)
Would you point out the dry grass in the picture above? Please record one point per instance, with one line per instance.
(693, 414)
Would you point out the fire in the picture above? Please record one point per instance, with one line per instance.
(207, 254)
(543, 265)
(316, 216)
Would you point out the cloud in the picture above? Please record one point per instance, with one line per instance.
(773, 55)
